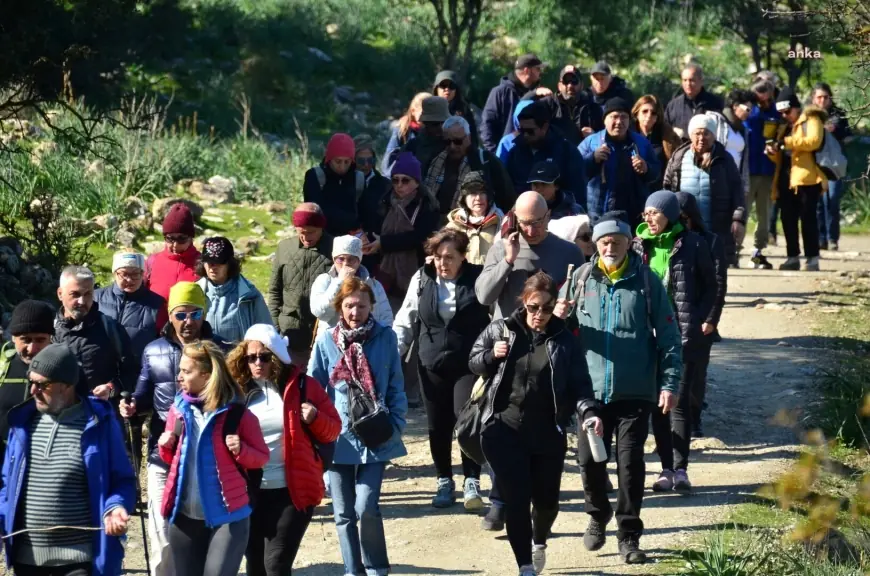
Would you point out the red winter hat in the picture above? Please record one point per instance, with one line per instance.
(340, 146)
(178, 220)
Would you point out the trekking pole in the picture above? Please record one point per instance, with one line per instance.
(125, 396)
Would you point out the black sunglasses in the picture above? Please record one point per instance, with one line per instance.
(402, 181)
(176, 238)
(535, 308)
(573, 80)
(41, 386)
(447, 86)
(455, 141)
(365, 161)
(264, 357)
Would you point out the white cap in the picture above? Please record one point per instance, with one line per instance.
(128, 260)
(266, 335)
(702, 121)
(347, 246)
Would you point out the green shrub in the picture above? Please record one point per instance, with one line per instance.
(840, 393)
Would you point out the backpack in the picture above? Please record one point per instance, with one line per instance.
(359, 181)
(586, 271)
(322, 451)
(830, 158)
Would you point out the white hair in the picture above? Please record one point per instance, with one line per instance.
(79, 273)
(457, 121)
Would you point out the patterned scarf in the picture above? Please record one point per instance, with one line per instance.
(353, 366)
(435, 176)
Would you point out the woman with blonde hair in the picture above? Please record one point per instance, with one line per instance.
(210, 441)
(297, 420)
(648, 118)
(404, 130)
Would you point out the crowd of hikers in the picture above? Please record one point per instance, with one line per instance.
(554, 260)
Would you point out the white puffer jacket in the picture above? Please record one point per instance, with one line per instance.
(324, 290)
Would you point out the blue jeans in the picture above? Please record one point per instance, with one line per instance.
(829, 211)
(356, 490)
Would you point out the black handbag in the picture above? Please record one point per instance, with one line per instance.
(369, 421)
(469, 424)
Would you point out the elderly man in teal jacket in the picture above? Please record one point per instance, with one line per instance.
(632, 343)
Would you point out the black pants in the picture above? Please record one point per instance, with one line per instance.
(444, 400)
(629, 419)
(277, 528)
(801, 206)
(68, 570)
(698, 391)
(202, 551)
(673, 431)
(528, 475)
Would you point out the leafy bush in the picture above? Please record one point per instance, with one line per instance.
(842, 387)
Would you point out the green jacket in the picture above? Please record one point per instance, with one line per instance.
(632, 342)
(293, 272)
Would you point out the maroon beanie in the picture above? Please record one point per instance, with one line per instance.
(178, 220)
(340, 146)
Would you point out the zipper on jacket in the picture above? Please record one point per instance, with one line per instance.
(607, 362)
(553, 384)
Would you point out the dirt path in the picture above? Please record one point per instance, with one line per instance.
(762, 365)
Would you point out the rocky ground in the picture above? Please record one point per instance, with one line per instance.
(763, 365)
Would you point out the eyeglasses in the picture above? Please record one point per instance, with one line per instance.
(531, 223)
(41, 386)
(650, 214)
(402, 181)
(127, 277)
(455, 141)
(195, 316)
(573, 80)
(176, 238)
(263, 357)
(545, 310)
(366, 160)
(447, 86)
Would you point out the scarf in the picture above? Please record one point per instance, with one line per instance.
(353, 366)
(435, 178)
(613, 274)
(190, 399)
(397, 268)
(661, 245)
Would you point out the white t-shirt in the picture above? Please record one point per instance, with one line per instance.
(268, 407)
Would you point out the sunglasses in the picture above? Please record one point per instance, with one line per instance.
(402, 181)
(263, 357)
(573, 80)
(365, 161)
(41, 386)
(182, 316)
(535, 308)
(455, 141)
(176, 238)
(447, 86)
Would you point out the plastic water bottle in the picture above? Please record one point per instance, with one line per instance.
(596, 442)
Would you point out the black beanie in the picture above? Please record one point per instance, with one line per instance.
(57, 363)
(787, 99)
(617, 104)
(32, 317)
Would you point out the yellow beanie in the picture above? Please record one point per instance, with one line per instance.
(186, 294)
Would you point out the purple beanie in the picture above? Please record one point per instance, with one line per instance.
(408, 165)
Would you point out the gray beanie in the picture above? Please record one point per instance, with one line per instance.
(57, 363)
(665, 202)
(609, 224)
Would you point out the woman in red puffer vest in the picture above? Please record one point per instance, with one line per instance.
(178, 260)
(297, 419)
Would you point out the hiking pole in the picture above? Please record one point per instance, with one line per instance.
(125, 396)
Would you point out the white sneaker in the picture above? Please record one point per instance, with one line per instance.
(539, 557)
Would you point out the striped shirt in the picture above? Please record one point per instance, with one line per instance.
(55, 492)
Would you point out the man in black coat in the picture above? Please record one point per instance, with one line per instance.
(605, 86)
(573, 112)
(693, 100)
(498, 112)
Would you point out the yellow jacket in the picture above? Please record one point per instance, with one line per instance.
(807, 137)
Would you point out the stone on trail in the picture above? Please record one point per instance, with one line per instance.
(275, 207)
(160, 207)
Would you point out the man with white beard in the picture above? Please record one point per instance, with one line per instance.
(633, 350)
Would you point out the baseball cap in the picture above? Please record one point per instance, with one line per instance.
(569, 69)
(545, 172)
(601, 67)
(527, 61)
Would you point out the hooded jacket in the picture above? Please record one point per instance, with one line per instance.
(136, 312)
(110, 477)
(632, 351)
(727, 201)
(480, 236)
(807, 136)
(617, 89)
(570, 117)
(326, 288)
(681, 108)
(498, 111)
(508, 140)
(338, 198)
(759, 163)
(248, 309)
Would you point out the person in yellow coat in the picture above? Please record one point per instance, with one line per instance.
(798, 180)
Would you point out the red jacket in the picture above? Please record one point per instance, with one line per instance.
(223, 489)
(165, 269)
(303, 471)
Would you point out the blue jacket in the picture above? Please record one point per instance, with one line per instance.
(394, 146)
(759, 163)
(499, 109)
(521, 158)
(136, 312)
(156, 386)
(507, 141)
(600, 197)
(109, 474)
(382, 353)
(251, 309)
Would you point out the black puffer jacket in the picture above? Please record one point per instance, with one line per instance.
(689, 206)
(338, 198)
(691, 284)
(102, 346)
(157, 384)
(136, 312)
(572, 386)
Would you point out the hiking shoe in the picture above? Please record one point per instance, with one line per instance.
(444, 496)
(812, 264)
(681, 481)
(494, 519)
(539, 557)
(834, 246)
(630, 551)
(471, 495)
(665, 482)
(760, 261)
(823, 245)
(528, 571)
(792, 263)
(594, 537)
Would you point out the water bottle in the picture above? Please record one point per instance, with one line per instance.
(596, 442)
